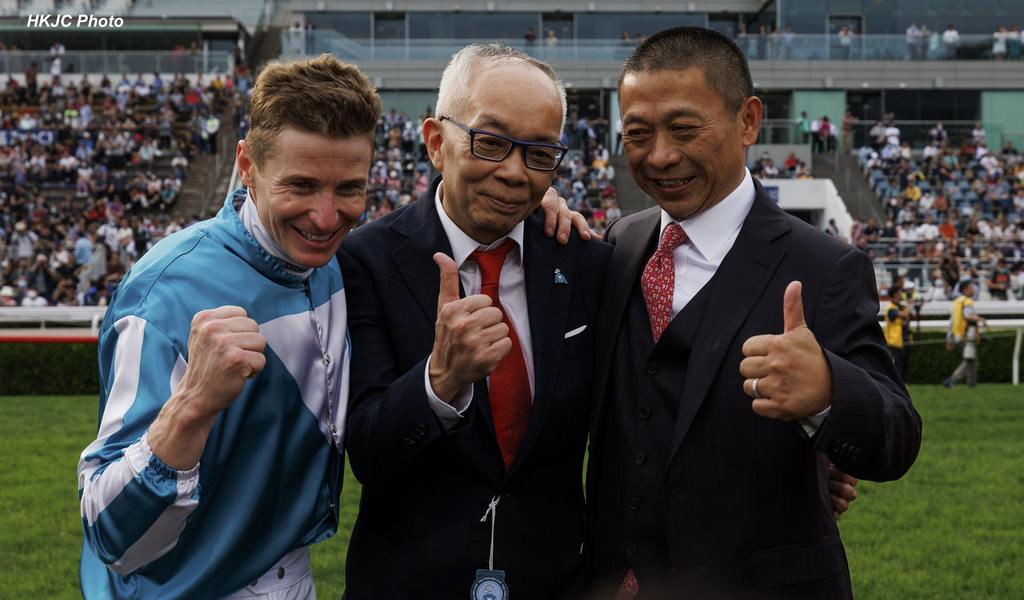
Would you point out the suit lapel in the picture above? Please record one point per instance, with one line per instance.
(548, 309)
(413, 259)
(628, 259)
(738, 285)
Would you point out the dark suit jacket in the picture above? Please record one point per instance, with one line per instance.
(748, 509)
(419, 532)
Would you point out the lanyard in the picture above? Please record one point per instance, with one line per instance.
(492, 510)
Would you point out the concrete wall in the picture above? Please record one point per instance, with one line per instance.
(1003, 114)
(814, 195)
(778, 75)
(530, 5)
(780, 152)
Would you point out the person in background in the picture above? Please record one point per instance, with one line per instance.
(897, 323)
(964, 334)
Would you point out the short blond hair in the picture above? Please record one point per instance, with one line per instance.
(320, 95)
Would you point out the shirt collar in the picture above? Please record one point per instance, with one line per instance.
(462, 244)
(249, 215)
(709, 230)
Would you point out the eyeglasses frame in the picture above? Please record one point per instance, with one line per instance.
(522, 144)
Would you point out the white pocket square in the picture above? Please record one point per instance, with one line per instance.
(576, 331)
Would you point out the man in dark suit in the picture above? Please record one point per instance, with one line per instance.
(473, 406)
(714, 297)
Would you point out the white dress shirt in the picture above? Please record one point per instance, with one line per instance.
(511, 291)
(710, 235)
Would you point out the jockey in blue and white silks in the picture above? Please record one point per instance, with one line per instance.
(268, 481)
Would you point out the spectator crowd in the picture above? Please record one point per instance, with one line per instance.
(90, 174)
(953, 211)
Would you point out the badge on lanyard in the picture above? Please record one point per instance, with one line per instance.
(490, 584)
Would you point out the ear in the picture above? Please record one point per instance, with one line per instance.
(750, 120)
(433, 135)
(246, 166)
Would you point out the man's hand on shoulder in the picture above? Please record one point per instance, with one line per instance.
(559, 219)
(470, 337)
(225, 349)
(787, 375)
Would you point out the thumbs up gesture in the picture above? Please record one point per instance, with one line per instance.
(787, 375)
(470, 337)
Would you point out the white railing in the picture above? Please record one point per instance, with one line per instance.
(53, 315)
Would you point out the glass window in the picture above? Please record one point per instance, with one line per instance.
(613, 25)
(352, 25)
(776, 104)
(389, 26)
(470, 25)
(725, 24)
(560, 23)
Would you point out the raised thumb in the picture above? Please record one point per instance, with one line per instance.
(449, 291)
(793, 307)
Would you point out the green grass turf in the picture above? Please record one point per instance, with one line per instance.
(953, 528)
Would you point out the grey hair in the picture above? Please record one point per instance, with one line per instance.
(452, 94)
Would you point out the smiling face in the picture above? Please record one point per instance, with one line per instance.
(684, 147)
(309, 192)
(487, 199)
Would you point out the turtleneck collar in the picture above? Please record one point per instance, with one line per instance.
(250, 218)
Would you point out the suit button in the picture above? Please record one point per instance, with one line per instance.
(645, 412)
(421, 429)
(639, 458)
(652, 367)
(631, 550)
(634, 503)
(409, 440)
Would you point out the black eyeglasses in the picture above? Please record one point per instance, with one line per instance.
(496, 148)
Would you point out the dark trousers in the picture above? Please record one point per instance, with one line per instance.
(901, 358)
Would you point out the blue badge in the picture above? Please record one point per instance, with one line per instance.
(560, 278)
(489, 585)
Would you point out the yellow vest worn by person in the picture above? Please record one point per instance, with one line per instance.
(958, 325)
(893, 328)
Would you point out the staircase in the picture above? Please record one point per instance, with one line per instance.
(265, 45)
(853, 187)
(632, 199)
(206, 183)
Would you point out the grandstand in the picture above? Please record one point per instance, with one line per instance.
(863, 67)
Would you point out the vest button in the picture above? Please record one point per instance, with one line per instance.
(280, 572)
(634, 503)
(631, 550)
(645, 412)
(639, 458)
(652, 368)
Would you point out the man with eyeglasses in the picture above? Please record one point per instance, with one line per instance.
(474, 338)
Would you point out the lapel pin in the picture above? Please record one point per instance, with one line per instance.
(560, 277)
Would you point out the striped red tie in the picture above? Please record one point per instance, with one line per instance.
(510, 382)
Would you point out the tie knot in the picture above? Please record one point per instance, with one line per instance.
(671, 238)
(490, 261)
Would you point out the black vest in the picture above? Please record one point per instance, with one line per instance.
(648, 380)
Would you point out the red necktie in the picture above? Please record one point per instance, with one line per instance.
(510, 382)
(659, 279)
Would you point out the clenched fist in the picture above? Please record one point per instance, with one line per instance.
(470, 337)
(225, 348)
